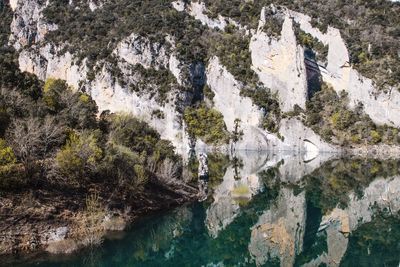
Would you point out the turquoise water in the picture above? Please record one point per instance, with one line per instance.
(267, 211)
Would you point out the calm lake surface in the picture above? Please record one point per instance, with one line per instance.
(267, 210)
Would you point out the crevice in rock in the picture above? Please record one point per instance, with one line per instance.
(313, 73)
(197, 80)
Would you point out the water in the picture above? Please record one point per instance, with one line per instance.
(267, 210)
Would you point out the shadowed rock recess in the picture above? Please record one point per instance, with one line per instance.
(106, 105)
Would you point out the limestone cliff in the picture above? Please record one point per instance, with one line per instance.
(278, 61)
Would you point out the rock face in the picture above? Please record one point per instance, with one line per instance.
(279, 64)
(45, 61)
(380, 106)
(28, 26)
(198, 10)
(139, 50)
(227, 99)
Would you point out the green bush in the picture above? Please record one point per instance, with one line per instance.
(128, 131)
(52, 90)
(6, 154)
(376, 137)
(80, 156)
(206, 124)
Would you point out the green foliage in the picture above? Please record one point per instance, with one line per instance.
(268, 102)
(206, 124)
(6, 154)
(310, 42)
(376, 137)
(101, 30)
(208, 93)
(52, 90)
(370, 29)
(75, 109)
(232, 48)
(328, 115)
(217, 165)
(156, 82)
(80, 156)
(128, 131)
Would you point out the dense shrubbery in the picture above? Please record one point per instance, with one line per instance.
(206, 124)
(58, 137)
(156, 82)
(101, 30)
(328, 115)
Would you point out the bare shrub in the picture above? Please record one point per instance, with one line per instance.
(90, 229)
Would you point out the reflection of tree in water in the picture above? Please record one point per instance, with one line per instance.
(349, 193)
(329, 186)
(237, 165)
(376, 243)
(160, 235)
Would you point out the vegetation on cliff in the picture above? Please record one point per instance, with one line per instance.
(328, 114)
(206, 124)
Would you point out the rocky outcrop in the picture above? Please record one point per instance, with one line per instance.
(28, 26)
(93, 5)
(48, 61)
(110, 95)
(198, 10)
(298, 137)
(45, 63)
(279, 63)
(13, 4)
(139, 50)
(227, 99)
(381, 106)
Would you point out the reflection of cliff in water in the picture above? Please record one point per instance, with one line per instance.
(323, 211)
(242, 181)
(273, 210)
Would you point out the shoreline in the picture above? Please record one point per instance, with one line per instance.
(60, 225)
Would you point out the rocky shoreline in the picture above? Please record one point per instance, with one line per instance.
(61, 222)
